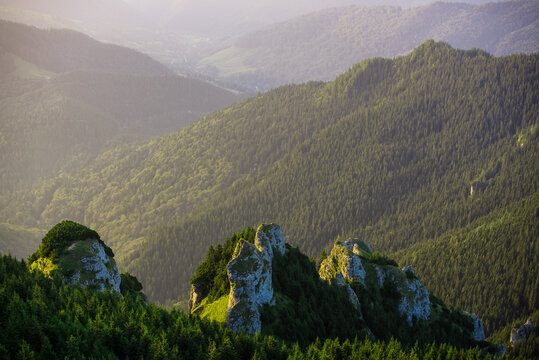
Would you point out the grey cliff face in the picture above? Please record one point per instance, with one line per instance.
(478, 332)
(347, 262)
(517, 335)
(344, 259)
(97, 270)
(415, 302)
(250, 276)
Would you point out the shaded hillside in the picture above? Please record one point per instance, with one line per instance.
(55, 112)
(66, 50)
(488, 267)
(320, 45)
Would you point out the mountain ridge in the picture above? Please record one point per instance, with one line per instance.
(320, 45)
(386, 152)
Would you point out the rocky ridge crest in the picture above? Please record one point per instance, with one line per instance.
(250, 276)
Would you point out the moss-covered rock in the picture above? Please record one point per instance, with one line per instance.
(250, 276)
(78, 255)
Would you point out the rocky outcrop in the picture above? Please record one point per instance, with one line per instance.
(478, 186)
(348, 261)
(97, 269)
(85, 262)
(478, 332)
(522, 332)
(354, 300)
(415, 301)
(195, 297)
(250, 276)
(409, 271)
(345, 258)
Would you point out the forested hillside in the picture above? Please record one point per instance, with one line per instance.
(43, 318)
(321, 45)
(488, 266)
(387, 152)
(65, 97)
(394, 149)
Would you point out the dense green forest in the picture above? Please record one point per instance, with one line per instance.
(323, 44)
(43, 318)
(306, 308)
(527, 348)
(387, 152)
(400, 145)
(496, 273)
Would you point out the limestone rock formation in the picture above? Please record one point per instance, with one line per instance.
(517, 335)
(347, 262)
(100, 268)
(345, 259)
(478, 332)
(250, 276)
(78, 255)
(85, 262)
(415, 302)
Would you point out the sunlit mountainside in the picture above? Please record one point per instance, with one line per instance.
(324, 179)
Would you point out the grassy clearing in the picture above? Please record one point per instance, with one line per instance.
(216, 310)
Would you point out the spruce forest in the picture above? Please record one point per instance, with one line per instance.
(338, 180)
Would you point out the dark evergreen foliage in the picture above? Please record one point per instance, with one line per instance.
(129, 283)
(42, 318)
(61, 236)
(211, 279)
(489, 267)
(306, 307)
(381, 259)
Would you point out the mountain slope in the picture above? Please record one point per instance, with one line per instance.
(394, 169)
(387, 152)
(66, 50)
(258, 283)
(65, 97)
(496, 274)
(44, 318)
(320, 45)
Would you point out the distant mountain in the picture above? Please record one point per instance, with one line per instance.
(66, 50)
(76, 14)
(216, 18)
(320, 45)
(387, 152)
(176, 32)
(66, 97)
